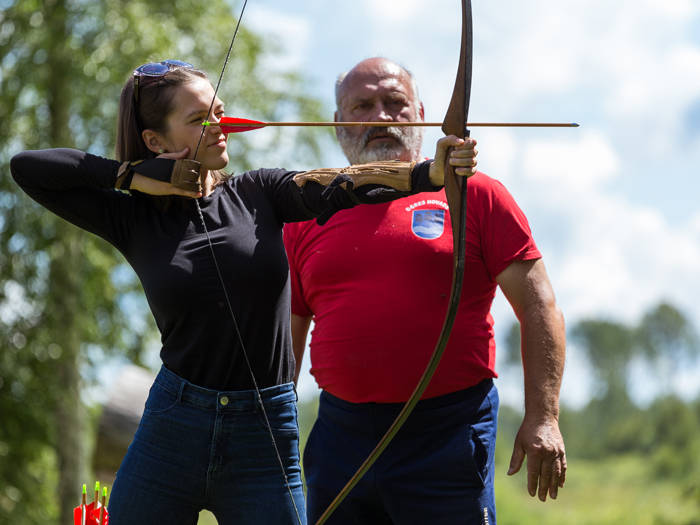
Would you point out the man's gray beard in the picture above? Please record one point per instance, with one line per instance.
(407, 146)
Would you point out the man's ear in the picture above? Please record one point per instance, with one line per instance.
(336, 118)
(153, 141)
(421, 112)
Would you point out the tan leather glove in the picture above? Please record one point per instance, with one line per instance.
(181, 173)
(393, 174)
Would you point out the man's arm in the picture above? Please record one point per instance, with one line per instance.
(300, 329)
(526, 286)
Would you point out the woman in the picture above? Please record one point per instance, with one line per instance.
(208, 250)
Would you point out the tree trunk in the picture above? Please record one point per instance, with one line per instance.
(63, 307)
(71, 422)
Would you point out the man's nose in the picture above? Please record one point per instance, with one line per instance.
(382, 114)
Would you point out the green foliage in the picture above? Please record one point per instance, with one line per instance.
(619, 490)
(609, 347)
(67, 299)
(667, 340)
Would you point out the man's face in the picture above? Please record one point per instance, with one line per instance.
(379, 91)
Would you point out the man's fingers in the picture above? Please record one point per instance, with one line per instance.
(465, 166)
(546, 471)
(516, 460)
(533, 474)
(556, 477)
(463, 158)
(562, 479)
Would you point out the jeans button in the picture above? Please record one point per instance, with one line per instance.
(223, 400)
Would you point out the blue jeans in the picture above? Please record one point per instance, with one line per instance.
(439, 468)
(197, 449)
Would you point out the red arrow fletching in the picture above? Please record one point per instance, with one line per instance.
(92, 515)
(238, 125)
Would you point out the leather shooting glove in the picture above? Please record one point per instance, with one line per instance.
(181, 173)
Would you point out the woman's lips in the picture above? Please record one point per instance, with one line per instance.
(219, 143)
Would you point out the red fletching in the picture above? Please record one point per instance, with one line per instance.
(238, 125)
(92, 515)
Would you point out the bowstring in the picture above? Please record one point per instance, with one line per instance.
(225, 290)
(221, 76)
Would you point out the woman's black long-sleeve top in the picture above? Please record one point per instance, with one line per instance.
(169, 250)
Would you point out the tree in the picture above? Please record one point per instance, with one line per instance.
(609, 347)
(62, 291)
(667, 340)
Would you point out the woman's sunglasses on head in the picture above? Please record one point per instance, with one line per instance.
(156, 69)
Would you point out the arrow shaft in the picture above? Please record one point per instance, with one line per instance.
(397, 124)
(423, 124)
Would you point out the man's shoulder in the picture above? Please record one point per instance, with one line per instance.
(481, 180)
(483, 185)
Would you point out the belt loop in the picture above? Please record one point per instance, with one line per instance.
(180, 390)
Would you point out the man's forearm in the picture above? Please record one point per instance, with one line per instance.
(543, 352)
(527, 288)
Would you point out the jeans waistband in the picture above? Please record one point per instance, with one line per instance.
(237, 400)
(477, 391)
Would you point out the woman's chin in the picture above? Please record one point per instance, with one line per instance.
(219, 163)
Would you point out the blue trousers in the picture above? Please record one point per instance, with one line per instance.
(439, 468)
(197, 449)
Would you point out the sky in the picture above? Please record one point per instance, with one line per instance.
(613, 203)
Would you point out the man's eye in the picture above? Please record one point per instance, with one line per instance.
(398, 103)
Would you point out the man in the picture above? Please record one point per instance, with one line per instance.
(376, 281)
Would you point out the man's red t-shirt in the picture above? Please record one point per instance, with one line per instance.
(377, 280)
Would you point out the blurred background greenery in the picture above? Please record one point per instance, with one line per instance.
(70, 307)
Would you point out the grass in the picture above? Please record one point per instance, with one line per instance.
(617, 490)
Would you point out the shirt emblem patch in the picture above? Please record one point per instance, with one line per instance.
(428, 224)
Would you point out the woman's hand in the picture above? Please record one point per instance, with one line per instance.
(185, 180)
(462, 158)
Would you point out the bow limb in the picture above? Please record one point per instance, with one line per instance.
(455, 188)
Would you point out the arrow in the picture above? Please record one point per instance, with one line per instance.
(239, 125)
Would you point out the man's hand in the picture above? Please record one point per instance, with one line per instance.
(543, 445)
(462, 158)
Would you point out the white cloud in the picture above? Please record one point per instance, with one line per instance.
(569, 165)
(283, 29)
(392, 12)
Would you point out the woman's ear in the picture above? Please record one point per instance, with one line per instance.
(153, 141)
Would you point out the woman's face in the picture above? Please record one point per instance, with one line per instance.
(184, 124)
